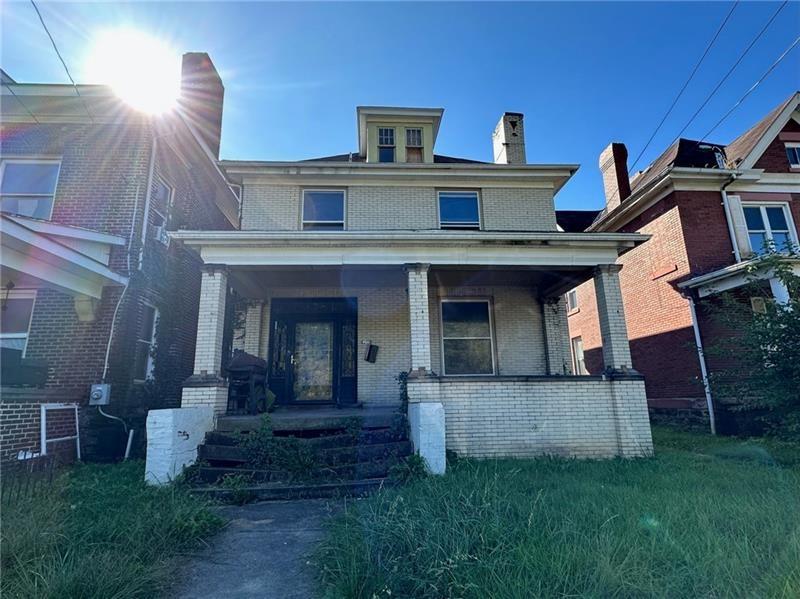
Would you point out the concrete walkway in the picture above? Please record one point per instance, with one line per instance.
(263, 552)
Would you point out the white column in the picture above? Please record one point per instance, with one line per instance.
(252, 327)
(779, 291)
(616, 349)
(419, 317)
(211, 322)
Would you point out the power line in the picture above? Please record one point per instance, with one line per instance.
(21, 103)
(753, 87)
(685, 85)
(736, 64)
(61, 58)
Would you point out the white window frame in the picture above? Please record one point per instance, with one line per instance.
(575, 366)
(421, 142)
(56, 161)
(303, 220)
(463, 226)
(488, 302)
(20, 294)
(796, 147)
(572, 304)
(150, 364)
(392, 145)
(787, 213)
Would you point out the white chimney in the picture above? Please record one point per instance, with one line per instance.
(508, 139)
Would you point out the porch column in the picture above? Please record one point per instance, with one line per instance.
(206, 387)
(419, 317)
(616, 350)
(252, 327)
(556, 335)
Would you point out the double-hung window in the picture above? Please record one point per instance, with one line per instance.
(145, 341)
(578, 360)
(768, 227)
(162, 202)
(386, 145)
(459, 210)
(793, 154)
(572, 300)
(467, 345)
(15, 320)
(323, 209)
(414, 145)
(27, 187)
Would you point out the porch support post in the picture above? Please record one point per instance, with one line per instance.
(556, 335)
(252, 327)
(419, 317)
(616, 349)
(206, 387)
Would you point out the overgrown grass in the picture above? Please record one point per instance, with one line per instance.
(100, 533)
(704, 518)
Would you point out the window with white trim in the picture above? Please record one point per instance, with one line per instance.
(459, 210)
(467, 343)
(793, 154)
(323, 209)
(414, 152)
(386, 145)
(578, 360)
(768, 227)
(143, 362)
(572, 300)
(15, 320)
(27, 187)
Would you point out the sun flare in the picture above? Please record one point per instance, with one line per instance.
(142, 70)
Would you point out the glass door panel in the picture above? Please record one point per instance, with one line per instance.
(313, 361)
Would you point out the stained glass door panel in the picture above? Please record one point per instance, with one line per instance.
(313, 361)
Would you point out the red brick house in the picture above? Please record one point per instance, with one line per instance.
(710, 209)
(92, 290)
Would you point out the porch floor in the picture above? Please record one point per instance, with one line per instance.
(311, 418)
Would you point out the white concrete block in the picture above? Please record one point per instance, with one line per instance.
(172, 439)
(426, 421)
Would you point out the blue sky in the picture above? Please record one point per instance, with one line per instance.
(584, 74)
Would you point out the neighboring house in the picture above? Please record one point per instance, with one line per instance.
(92, 289)
(711, 209)
(393, 259)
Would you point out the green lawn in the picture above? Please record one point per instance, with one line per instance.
(99, 533)
(707, 517)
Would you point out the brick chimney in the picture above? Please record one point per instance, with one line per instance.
(614, 166)
(508, 140)
(202, 94)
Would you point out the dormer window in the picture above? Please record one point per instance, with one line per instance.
(414, 145)
(386, 144)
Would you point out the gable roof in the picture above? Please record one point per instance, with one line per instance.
(741, 148)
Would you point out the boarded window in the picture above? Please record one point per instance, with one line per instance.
(467, 337)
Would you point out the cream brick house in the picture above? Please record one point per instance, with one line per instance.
(394, 259)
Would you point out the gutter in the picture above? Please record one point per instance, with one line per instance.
(703, 370)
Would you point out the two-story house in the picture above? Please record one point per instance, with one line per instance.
(711, 210)
(393, 259)
(92, 290)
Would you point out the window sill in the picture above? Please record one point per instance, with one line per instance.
(573, 311)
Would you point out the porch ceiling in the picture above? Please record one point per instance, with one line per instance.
(259, 282)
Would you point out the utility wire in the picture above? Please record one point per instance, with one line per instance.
(753, 87)
(736, 64)
(21, 103)
(61, 58)
(685, 85)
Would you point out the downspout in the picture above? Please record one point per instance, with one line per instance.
(726, 206)
(703, 370)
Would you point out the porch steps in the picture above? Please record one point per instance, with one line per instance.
(345, 461)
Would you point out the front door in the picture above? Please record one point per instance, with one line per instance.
(313, 351)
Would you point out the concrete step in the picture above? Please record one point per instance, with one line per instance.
(298, 422)
(271, 492)
(343, 472)
(365, 437)
(214, 454)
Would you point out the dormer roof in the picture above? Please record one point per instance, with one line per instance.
(364, 113)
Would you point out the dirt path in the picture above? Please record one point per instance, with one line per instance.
(263, 552)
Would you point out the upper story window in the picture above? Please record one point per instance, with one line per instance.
(27, 187)
(459, 210)
(386, 145)
(323, 209)
(162, 201)
(143, 362)
(768, 227)
(578, 359)
(467, 345)
(15, 320)
(572, 300)
(414, 145)
(793, 154)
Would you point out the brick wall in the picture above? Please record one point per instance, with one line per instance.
(525, 417)
(278, 207)
(774, 159)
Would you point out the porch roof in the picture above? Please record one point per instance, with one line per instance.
(435, 247)
(732, 276)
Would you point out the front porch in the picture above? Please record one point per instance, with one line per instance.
(479, 339)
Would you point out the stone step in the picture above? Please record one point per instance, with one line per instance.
(365, 437)
(373, 469)
(271, 492)
(309, 421)
(332, 456)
